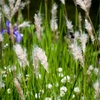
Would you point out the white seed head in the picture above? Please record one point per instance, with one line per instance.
(77, 53)
(83, 39)
(81, 4)
(38, 23)
(24, 24)
(19, 89)
(39, 54)
(21, 54)
(69, 25)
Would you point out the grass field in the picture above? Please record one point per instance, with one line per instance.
(50, 59)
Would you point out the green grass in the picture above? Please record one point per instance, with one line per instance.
(58, 55)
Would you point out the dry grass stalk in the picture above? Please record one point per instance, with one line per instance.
(11, 34)
(19, 89)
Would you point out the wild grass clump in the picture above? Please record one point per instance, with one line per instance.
(50, 58)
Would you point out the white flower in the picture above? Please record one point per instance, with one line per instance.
(68, 78)
(76, 89)
(37, 95)
(73, 96)
(96, 70)
(90, 69)
(60, 69)
(49, 86)
(63, 1)
(63, 80)
(48, 98)
(57, 84)
(60, 74)
(63, 91)
(8, 90)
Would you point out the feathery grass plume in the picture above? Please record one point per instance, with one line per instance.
(87, 4)
(15, 9)
(38, 22)
(81, 4)
(84, 4)
(21, 54)
(96, 87)
(88, 27)
(24, 24)
(19, 89)
(76, 36)
(63, 1)
(69, 25)
(77, 53)
(83, 39)
(6, 11)
(53, 22)
(39, 54)
(11, 4)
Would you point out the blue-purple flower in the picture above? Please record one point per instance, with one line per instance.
(16, 33)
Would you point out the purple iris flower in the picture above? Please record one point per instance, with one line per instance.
(15, 32)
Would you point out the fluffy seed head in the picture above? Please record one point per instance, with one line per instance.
(21, 54)
(39, 54)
